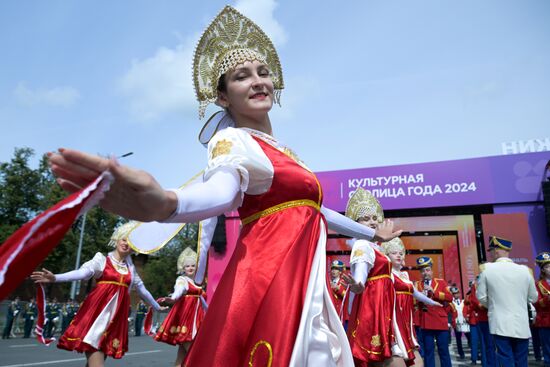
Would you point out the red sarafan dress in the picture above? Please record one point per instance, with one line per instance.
(184, 319)
(272, 306)
(542, 305)
(404, 304)
(370, 329)
(102, 321)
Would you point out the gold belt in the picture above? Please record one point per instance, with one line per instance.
(279, 207)
(111, 282)
(403, 292)
(378, 277)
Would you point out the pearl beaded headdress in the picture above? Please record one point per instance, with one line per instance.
(228, 41)
(363, 203)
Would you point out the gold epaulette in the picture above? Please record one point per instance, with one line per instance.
(482, 267)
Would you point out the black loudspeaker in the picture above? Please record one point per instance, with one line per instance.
(219, 241)
(546, 198)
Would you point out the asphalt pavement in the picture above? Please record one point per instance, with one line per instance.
(143, 351)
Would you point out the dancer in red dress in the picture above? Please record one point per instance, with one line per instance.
(542, 321)
(100, 328)
(372, 332)
(184, 319)
(405, 293)
(272, 305)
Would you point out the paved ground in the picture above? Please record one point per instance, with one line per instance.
(143, 352)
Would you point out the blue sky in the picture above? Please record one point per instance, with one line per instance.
(368, 83)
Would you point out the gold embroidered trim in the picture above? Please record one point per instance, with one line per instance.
(223, 147)
(72, 339)
(403, 292)
(111, 282)
(269, 349)
(375, 341)
(116, 343)
(279, 207)
(543, 289)
(378, 277)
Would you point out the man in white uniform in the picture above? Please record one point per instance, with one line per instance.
(505, 288)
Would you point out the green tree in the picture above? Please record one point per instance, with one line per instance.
(19, 199)
(25, 192)
(159, 272)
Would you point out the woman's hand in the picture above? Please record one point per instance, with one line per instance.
(44, 276)
(355, 286)
(385, 232)
(166, 300)
(134, 194)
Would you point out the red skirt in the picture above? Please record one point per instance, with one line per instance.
(403, 316)
(114, 341)
(182, 322)
(255, 313)
(370, 329)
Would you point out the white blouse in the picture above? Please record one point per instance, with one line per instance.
(94, 268)
(238, 165)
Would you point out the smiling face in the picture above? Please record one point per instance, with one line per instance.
(396, 257)
(123, 248)
(369, 221)
(247, 91)
(189, 269)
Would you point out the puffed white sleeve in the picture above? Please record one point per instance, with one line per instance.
(235, 149)
(236, 165)
(180, 288)
(361, 260)
(91, 268)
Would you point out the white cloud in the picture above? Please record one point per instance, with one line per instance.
(160, 84)
(261, 12)
(57, 96)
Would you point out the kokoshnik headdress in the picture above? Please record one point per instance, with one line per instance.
(363, 203)
(230, 40)
(122, 231)
(393, 245)
(187, 257)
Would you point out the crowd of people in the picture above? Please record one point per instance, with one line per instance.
(276, 304)
(493, 315)
(21, 317)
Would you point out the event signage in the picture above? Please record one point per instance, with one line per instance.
(477, 181)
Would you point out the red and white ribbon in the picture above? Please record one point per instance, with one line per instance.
(25, 249)
(148, 323)
(40, 322)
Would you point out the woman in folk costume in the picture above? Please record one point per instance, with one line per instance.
(372, 334)
(404, 304)
(100, 328)
(272, 306)
(542, 320)
(185, 317)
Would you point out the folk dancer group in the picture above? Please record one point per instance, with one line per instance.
(278, 269)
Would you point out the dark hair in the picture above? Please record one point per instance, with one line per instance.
(222, 85)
